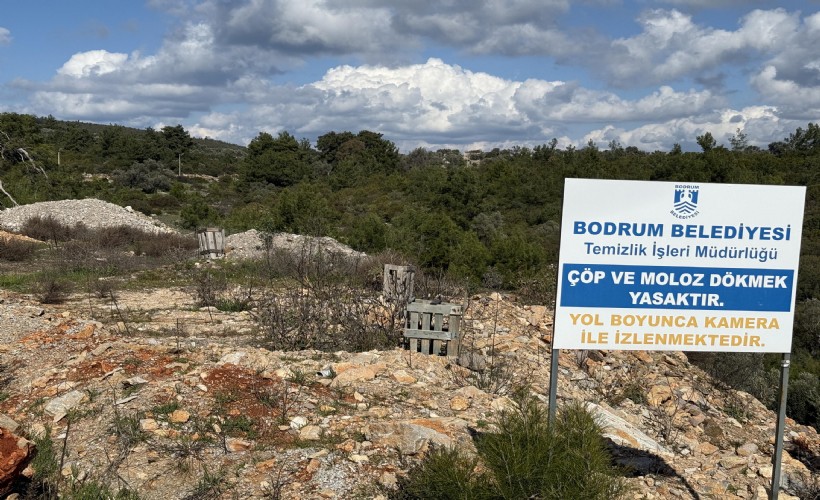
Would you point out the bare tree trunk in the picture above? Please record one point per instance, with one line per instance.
(24, 155)
(7, 194)
(16, 153)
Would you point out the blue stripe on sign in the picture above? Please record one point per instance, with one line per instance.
(661, 287)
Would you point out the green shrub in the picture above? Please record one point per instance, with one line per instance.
(523, 458)
(445, 474)
(197, 213)
(367, 233)
(148, 177)
(804, 399)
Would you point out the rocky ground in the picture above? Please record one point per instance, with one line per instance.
(175, 401)
(148, 391)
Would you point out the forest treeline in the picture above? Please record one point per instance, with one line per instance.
(486, 218)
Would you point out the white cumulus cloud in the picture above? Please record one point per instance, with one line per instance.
(761, 124)
(440, 103)
(672, 46)
(92, 63)
(222, 71)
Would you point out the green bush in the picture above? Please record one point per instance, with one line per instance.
(148, 177)
(804, 399)
(197, 213)
(368, 233)
(523, 458)
(445, 474)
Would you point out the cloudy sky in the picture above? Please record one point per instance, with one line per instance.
(446, 73)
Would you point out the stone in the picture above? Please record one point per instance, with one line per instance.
(379, 411)
(149, 424)
(354, 375)
(658, 394)
(459, 403)
(713, 429)
(347, 446)
(502, 404)
(747, 449)
(623, 433)
(60, 406)
(15, 454)
(761, 493)
(732, 462)
(388, 480)
(100, 349)
(471, 392)
(298, 422)
(403, 377)
(313, 466)
(472, 361)
(707, 448)
(236, 445)
(233, 358)
(408, 438)
(7, 423)
(173, 367)
(310, 433)
(134, 381)
(696, 420)
(179, 416)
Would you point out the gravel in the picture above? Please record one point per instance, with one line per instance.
(91, 212)
(250, 245)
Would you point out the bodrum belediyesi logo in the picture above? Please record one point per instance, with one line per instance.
(686, 201)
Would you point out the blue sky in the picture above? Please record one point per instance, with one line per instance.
(463, 74)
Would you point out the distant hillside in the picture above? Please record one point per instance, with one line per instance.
(103, 148)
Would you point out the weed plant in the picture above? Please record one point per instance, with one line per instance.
(523, 458)
(209, 486)
(326, 304)
(47, 483)
(51, 287)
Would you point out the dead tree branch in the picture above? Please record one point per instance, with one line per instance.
(7, 194)
(17, 154)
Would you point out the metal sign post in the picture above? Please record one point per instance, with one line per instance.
(781, 424)
(556, 353)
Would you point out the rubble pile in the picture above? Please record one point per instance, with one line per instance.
(312, 424)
